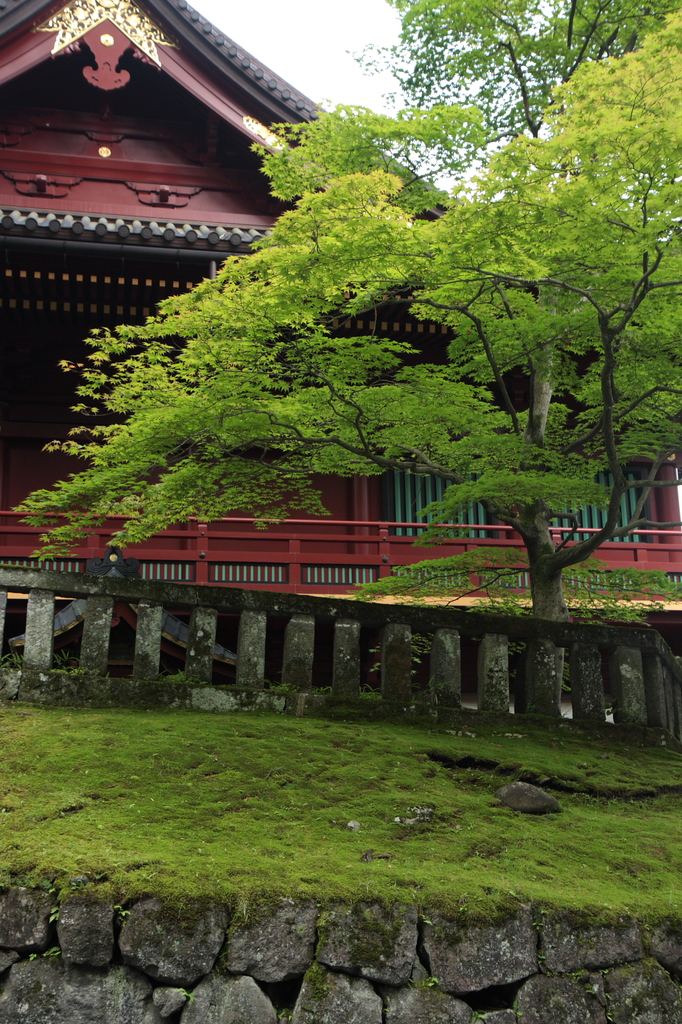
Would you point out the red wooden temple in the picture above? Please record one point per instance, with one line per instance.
(127, 175)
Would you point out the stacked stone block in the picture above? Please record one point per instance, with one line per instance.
(358, 962)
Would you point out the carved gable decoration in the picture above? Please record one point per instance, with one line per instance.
(81, 16)
(48, 186)
(170, 196)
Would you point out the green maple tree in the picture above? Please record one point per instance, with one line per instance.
(560, 263)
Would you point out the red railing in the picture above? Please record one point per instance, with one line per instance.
(306, 555)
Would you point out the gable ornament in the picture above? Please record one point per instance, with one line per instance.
(80, 17)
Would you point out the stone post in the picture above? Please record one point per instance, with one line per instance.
(627, 685)
(94, 656)
(445, 669)
(299, 652)
(542, 680)
(346, 658)
(669, 681)
(251, 649)
(654, 690)
(201, 644)
(3, 614)
(493, 673)
(587, 685)
(39, 636)
(147, 640)
(396, 661)
(677, 710)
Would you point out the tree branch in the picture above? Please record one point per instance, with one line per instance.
(478, 324)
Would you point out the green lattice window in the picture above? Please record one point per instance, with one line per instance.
(406, 494)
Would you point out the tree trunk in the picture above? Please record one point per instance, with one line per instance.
(548, 595)
(543, 695)
(545, 576)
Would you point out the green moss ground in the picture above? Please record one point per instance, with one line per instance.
(245, 807)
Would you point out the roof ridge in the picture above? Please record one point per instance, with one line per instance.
(245, 59)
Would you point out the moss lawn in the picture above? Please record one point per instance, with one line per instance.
(248, 807)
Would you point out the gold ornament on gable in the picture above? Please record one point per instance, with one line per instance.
(81, 16)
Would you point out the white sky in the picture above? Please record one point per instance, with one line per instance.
(310, 43)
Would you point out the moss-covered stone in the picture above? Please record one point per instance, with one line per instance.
(368, 939)
(643, 993)
(331, 998)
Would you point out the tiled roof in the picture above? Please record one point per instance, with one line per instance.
(133, 232)
(245, 62)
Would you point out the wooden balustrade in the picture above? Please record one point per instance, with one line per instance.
(645, 677)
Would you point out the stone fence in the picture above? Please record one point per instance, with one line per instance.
(645, 678)
(299, 962)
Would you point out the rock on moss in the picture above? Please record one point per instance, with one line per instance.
(165, 949)
(426, 1006)
(568, 946)
(666, 946)
(466, 958)
(277, 947)
(543, 1000)
(370, 940)
(499, 1017)
(643, 994)
(86, 931)
(328, 998)
(221, 999)
(48, 991)
(25, 920)
(522, 796)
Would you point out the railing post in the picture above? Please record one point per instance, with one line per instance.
(654, 690)
(251, 649)
(669, 681)
(541, 679)
(627, 686)
(677, 709)
(587, 684)
(94, 656)
(493, 673)
(294, 565)
(445, 669)
(147, 640)
(346, 658)
(3, 615)
(299, 651)
(201, 643)
(39, 636)
(202, 554)
(396, 661)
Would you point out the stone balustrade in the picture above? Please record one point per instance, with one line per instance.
(645, 677)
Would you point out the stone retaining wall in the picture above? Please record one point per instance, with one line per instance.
(343, 964)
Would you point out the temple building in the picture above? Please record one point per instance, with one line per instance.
(127, 174)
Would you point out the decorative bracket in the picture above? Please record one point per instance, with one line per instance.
(11, 133)
(170, 196)
(107, 48)
(52, 186)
